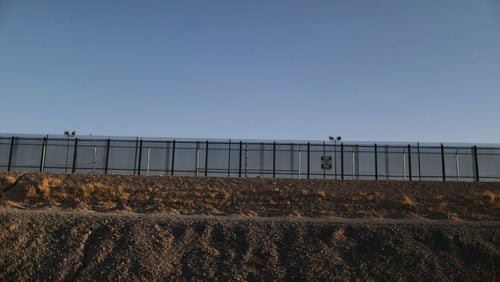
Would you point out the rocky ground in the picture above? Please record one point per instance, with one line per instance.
(95, 227)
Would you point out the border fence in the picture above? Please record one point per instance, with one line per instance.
(229, 158)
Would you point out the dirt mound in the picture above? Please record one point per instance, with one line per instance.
(252, 196)
(60, 245)
(97, 227)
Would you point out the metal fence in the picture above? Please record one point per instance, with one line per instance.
(318, 160)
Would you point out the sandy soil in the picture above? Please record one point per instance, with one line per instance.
(107, 228)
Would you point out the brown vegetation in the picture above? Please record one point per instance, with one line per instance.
(252, 196)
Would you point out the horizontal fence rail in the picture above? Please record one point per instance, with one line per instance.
(311, 160)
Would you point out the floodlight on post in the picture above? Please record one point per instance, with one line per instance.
(335, 139)
(68, 134)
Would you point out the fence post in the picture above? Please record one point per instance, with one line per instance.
(246, 160)
(409, 163)
(376, 161)
(356, 166)
(239, 165)
(443, 162)
(324, 155)
(107, 156)
(206, 159)
(167, 156)
(308, 160)
(335, 157)
(75, 148)
(387, 168)
(42, 157)
(135, 154)
(353, 163)
(342, 160)
(148, 160)
(418, 157)
(229, 161)
(140, 158)
(476, 163)
(173, 158)
(9, 165)
(274, 159)
(197, 161)
(300, 161)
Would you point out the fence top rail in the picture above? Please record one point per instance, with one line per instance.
(235, 142)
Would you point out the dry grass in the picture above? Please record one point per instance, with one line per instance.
(491, 197)
(47, 185)
(240, 196)
(321, 194)
(408, 202)
(10, 179)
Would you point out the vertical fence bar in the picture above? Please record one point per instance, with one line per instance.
(229, 161)
(94, 157)
(167, 156)
(442, 162)
(42, 155)
(404, 165)
(148, 160)
(246, 159)
(75, 150)
(11, 150)
(239, 165)
(386, 155)
(476, 163)
(107, 156)
(173, 158)
(67, 155)
(206, 158)
(300, 161)
(324, 155)
(342, 160)
(140, 158)
(308, 160)
(418, 157)
(356, 158)
(197, 162)
(335, 157)
(353, 164)
(274, 159)
(262, 153)
(376, 161)
(135, 154)
(458, 165)
(409, 163)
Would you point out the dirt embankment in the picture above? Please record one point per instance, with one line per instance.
(253, 197)
(108, 228)
(56, 245)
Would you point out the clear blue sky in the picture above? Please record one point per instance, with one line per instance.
(367, 70)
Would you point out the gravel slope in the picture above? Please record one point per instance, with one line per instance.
(136, 228)
(57, 245)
